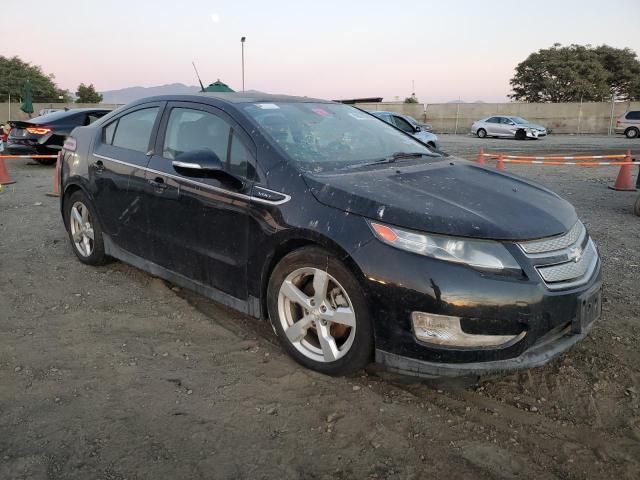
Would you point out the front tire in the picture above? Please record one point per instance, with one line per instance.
(84, 229)
(482, 133)
(521, 135)
(319, 313)
(632, 133)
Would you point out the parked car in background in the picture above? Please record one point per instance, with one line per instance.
(45, 135)
(357, 241)
(409, 125)
(507, 127)
(629, 124)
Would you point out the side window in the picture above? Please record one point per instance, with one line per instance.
(132, 131)
(493, 120)
(92, 117)
(506, 121)
(403, 125)
(239, 159)
(633, 115)
(108, 131)
(190, 130)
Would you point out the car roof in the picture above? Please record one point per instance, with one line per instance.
(233, 98)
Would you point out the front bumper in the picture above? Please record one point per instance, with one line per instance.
(549, 347)
(398, 283)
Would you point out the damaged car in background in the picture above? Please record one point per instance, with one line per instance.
(507, 127)
(356, 241)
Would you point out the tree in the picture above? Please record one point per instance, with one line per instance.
(14, 74)
(575, 72)
(88, 94)
(623, 71)
(411, 99)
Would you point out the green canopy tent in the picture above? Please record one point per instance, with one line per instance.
(218, 86)
(27, 99)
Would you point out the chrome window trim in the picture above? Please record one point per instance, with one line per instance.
(203, 185)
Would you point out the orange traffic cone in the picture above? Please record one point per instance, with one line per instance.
(480, 157)
(4, 175)
(56, 180)
(500, 162)
(624, 181)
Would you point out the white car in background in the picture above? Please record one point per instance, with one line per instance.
(507, 127)
(409, 125)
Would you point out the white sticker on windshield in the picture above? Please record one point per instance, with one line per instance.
(267, 106)
(358, 116)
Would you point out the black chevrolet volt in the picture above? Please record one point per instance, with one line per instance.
(355, 240)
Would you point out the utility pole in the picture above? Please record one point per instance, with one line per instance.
(242, 44)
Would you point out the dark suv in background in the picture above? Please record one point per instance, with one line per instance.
(629, 124)
(45, 135)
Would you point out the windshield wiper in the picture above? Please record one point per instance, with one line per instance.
(392, 158)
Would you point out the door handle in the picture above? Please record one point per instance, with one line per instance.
(158, 183)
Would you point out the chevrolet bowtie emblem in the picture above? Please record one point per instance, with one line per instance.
(575, 254)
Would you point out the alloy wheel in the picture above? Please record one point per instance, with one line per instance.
(316, 314)
(81, 225)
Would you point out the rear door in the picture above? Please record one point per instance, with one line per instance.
(200, 225)
(120, 154)
(492, 126)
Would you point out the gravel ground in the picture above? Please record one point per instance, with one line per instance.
(110, 373)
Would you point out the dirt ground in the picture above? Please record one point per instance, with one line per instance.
(109, 373)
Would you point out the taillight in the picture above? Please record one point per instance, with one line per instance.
(70, 144)
(617, 123)
(38, 130)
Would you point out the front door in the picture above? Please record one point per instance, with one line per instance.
(116, 171)
(200, 225)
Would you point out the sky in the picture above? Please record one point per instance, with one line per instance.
(328, 49)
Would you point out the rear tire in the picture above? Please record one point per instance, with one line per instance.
(632, 132)
(482, 133)
(84, 229)
(319, 313)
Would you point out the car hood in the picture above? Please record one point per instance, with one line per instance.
(451, 197)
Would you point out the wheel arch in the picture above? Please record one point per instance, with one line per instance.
(296, 241)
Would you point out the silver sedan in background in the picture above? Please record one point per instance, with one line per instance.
(409, 125)
(507, 126)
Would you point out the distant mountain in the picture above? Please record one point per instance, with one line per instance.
(126, 95)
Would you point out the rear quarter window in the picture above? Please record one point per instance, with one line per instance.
(633, 115)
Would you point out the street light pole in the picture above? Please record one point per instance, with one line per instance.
(242, 43)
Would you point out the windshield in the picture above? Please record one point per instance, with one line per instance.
(519, 120)
(326, 136)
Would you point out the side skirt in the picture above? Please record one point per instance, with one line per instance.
(249, 307)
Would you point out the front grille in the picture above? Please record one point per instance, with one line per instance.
(555, 243)
(572, 271)
(564, 261)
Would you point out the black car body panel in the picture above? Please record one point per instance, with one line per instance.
(60, 124)
(451, 197)
(223, 241)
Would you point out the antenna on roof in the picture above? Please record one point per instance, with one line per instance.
(197, 75)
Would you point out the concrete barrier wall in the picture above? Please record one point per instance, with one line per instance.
(17, 114)
(576, 118)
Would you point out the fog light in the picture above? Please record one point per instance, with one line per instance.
(445, 330)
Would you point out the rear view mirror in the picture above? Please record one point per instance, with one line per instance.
(204, 164)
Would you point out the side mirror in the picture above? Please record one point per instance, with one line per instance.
(204, 164)
(417, 128)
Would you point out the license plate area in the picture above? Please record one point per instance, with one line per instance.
(588, 311)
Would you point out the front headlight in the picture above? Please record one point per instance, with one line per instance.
(484, 254)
